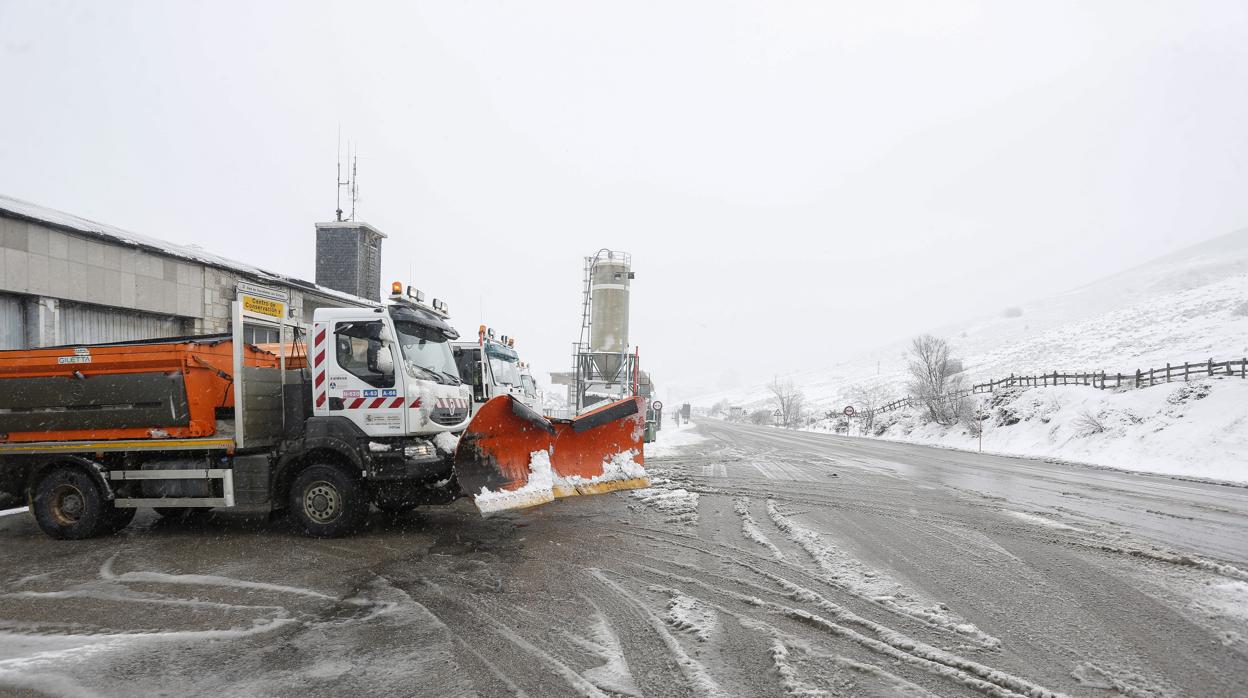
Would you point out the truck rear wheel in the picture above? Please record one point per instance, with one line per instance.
(68, 505)
(327, 502)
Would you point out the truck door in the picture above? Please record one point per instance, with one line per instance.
(364, 387)
(471, 372)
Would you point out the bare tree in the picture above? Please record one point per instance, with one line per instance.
(866, 400)
(790, 401)
(930, 370)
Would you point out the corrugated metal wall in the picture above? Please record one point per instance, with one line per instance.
(12, 322)
(89, 324)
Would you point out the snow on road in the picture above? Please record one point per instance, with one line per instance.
(865, 576)
(672, 439)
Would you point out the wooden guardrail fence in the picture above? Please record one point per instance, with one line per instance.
(1142, 378)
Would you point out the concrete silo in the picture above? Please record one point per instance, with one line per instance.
(604, 367)
(610, 276)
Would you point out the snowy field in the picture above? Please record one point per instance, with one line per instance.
(1190, 306)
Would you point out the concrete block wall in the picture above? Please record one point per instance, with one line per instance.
(46, 266)
(43, 261)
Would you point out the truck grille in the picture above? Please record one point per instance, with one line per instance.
(448, 416)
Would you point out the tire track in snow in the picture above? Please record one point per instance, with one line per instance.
(894, 640)
(467, 619)
(739, 555)
(614, 674)
(892, 644)
(751, 530)
(845, 572)
(700, 680)
(106, 573)
(790, 677)
(688, 614)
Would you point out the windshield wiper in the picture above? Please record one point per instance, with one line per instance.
(454, 378)
(436, 375)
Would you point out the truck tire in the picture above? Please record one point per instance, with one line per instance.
(326, 502)
(68, 505)
(119, 519)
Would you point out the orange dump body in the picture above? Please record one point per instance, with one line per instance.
(296, 353)
(130, 391)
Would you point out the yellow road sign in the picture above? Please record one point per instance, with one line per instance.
(264, 306)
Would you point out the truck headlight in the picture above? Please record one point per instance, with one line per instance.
(421, 449)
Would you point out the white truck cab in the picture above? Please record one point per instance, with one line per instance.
(390, 370)
(492, 367)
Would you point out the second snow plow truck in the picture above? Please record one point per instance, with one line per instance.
(362, 411)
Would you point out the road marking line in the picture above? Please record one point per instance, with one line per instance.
(10, 512)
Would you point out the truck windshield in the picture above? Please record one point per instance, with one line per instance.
(426, 353)
(505, 372)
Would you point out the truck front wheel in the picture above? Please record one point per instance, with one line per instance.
(327, 502)
(68, 505)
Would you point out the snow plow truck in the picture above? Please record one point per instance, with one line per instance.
(492, 367)
(363, 408)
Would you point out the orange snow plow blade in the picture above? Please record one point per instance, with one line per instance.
(511, 457)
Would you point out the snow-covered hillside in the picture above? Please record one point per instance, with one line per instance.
(1196, 429)
(1190, 305)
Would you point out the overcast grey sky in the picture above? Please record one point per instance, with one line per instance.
(796, 181)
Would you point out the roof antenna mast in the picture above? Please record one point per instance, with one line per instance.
(338, 178)
(350, 183)
(355, 182)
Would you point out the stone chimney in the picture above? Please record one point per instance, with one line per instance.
(348, 258)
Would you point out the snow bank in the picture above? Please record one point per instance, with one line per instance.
(1197, 429)
(672, 439)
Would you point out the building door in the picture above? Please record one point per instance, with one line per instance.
(93, 324)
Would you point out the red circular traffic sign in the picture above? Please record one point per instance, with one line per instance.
(849, 411)
(657, 405)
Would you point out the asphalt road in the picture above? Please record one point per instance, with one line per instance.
(761, 563)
